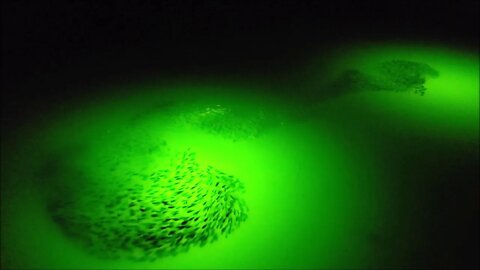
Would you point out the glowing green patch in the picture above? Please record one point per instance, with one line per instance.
(401, 73)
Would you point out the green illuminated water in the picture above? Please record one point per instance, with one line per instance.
(345, 178)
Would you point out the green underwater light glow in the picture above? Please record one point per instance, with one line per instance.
(130, 195)
(226, 176)
(387, 78)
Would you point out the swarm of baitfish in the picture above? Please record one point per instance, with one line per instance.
(161, 213)
(230, 123)
(403, 75)
(395, 75)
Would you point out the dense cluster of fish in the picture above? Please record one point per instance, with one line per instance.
(395, 75)
(402, 75)
(231, 124)
(150, 216)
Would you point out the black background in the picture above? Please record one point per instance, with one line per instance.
(51, 49)
(54, 51)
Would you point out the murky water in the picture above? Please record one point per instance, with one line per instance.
(365, 172)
